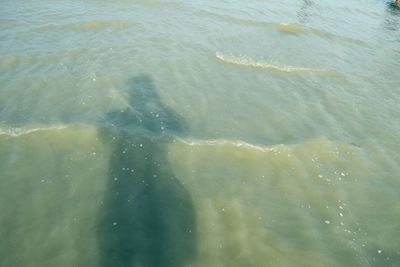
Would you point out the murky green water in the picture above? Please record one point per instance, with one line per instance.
(199, 133)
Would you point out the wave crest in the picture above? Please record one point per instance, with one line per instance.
(18, 131)
(249, 62)
(291, 28)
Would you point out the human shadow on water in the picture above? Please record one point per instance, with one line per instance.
(392, 18)
(305, 13)
(148, 218)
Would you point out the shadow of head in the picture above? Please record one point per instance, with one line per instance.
(305, 12)
(392, 18)
(147, 217)
(146, 111)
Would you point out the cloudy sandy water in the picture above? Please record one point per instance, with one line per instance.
(199, 133)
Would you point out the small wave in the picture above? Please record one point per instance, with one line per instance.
(101, 24)
(283, 27)
(249, 62)
(157, 4)
(18, 131)
(90, 25)
(318, 143)
(233, 19)
(292, 28)
(11, 61)
(234, 143)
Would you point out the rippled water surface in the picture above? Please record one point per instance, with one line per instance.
(199, 133)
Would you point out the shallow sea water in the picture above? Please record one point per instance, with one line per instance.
(199, 133)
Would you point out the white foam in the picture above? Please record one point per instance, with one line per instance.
(235, 143)
(18, 131)
(249, 62)
(293, 28)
